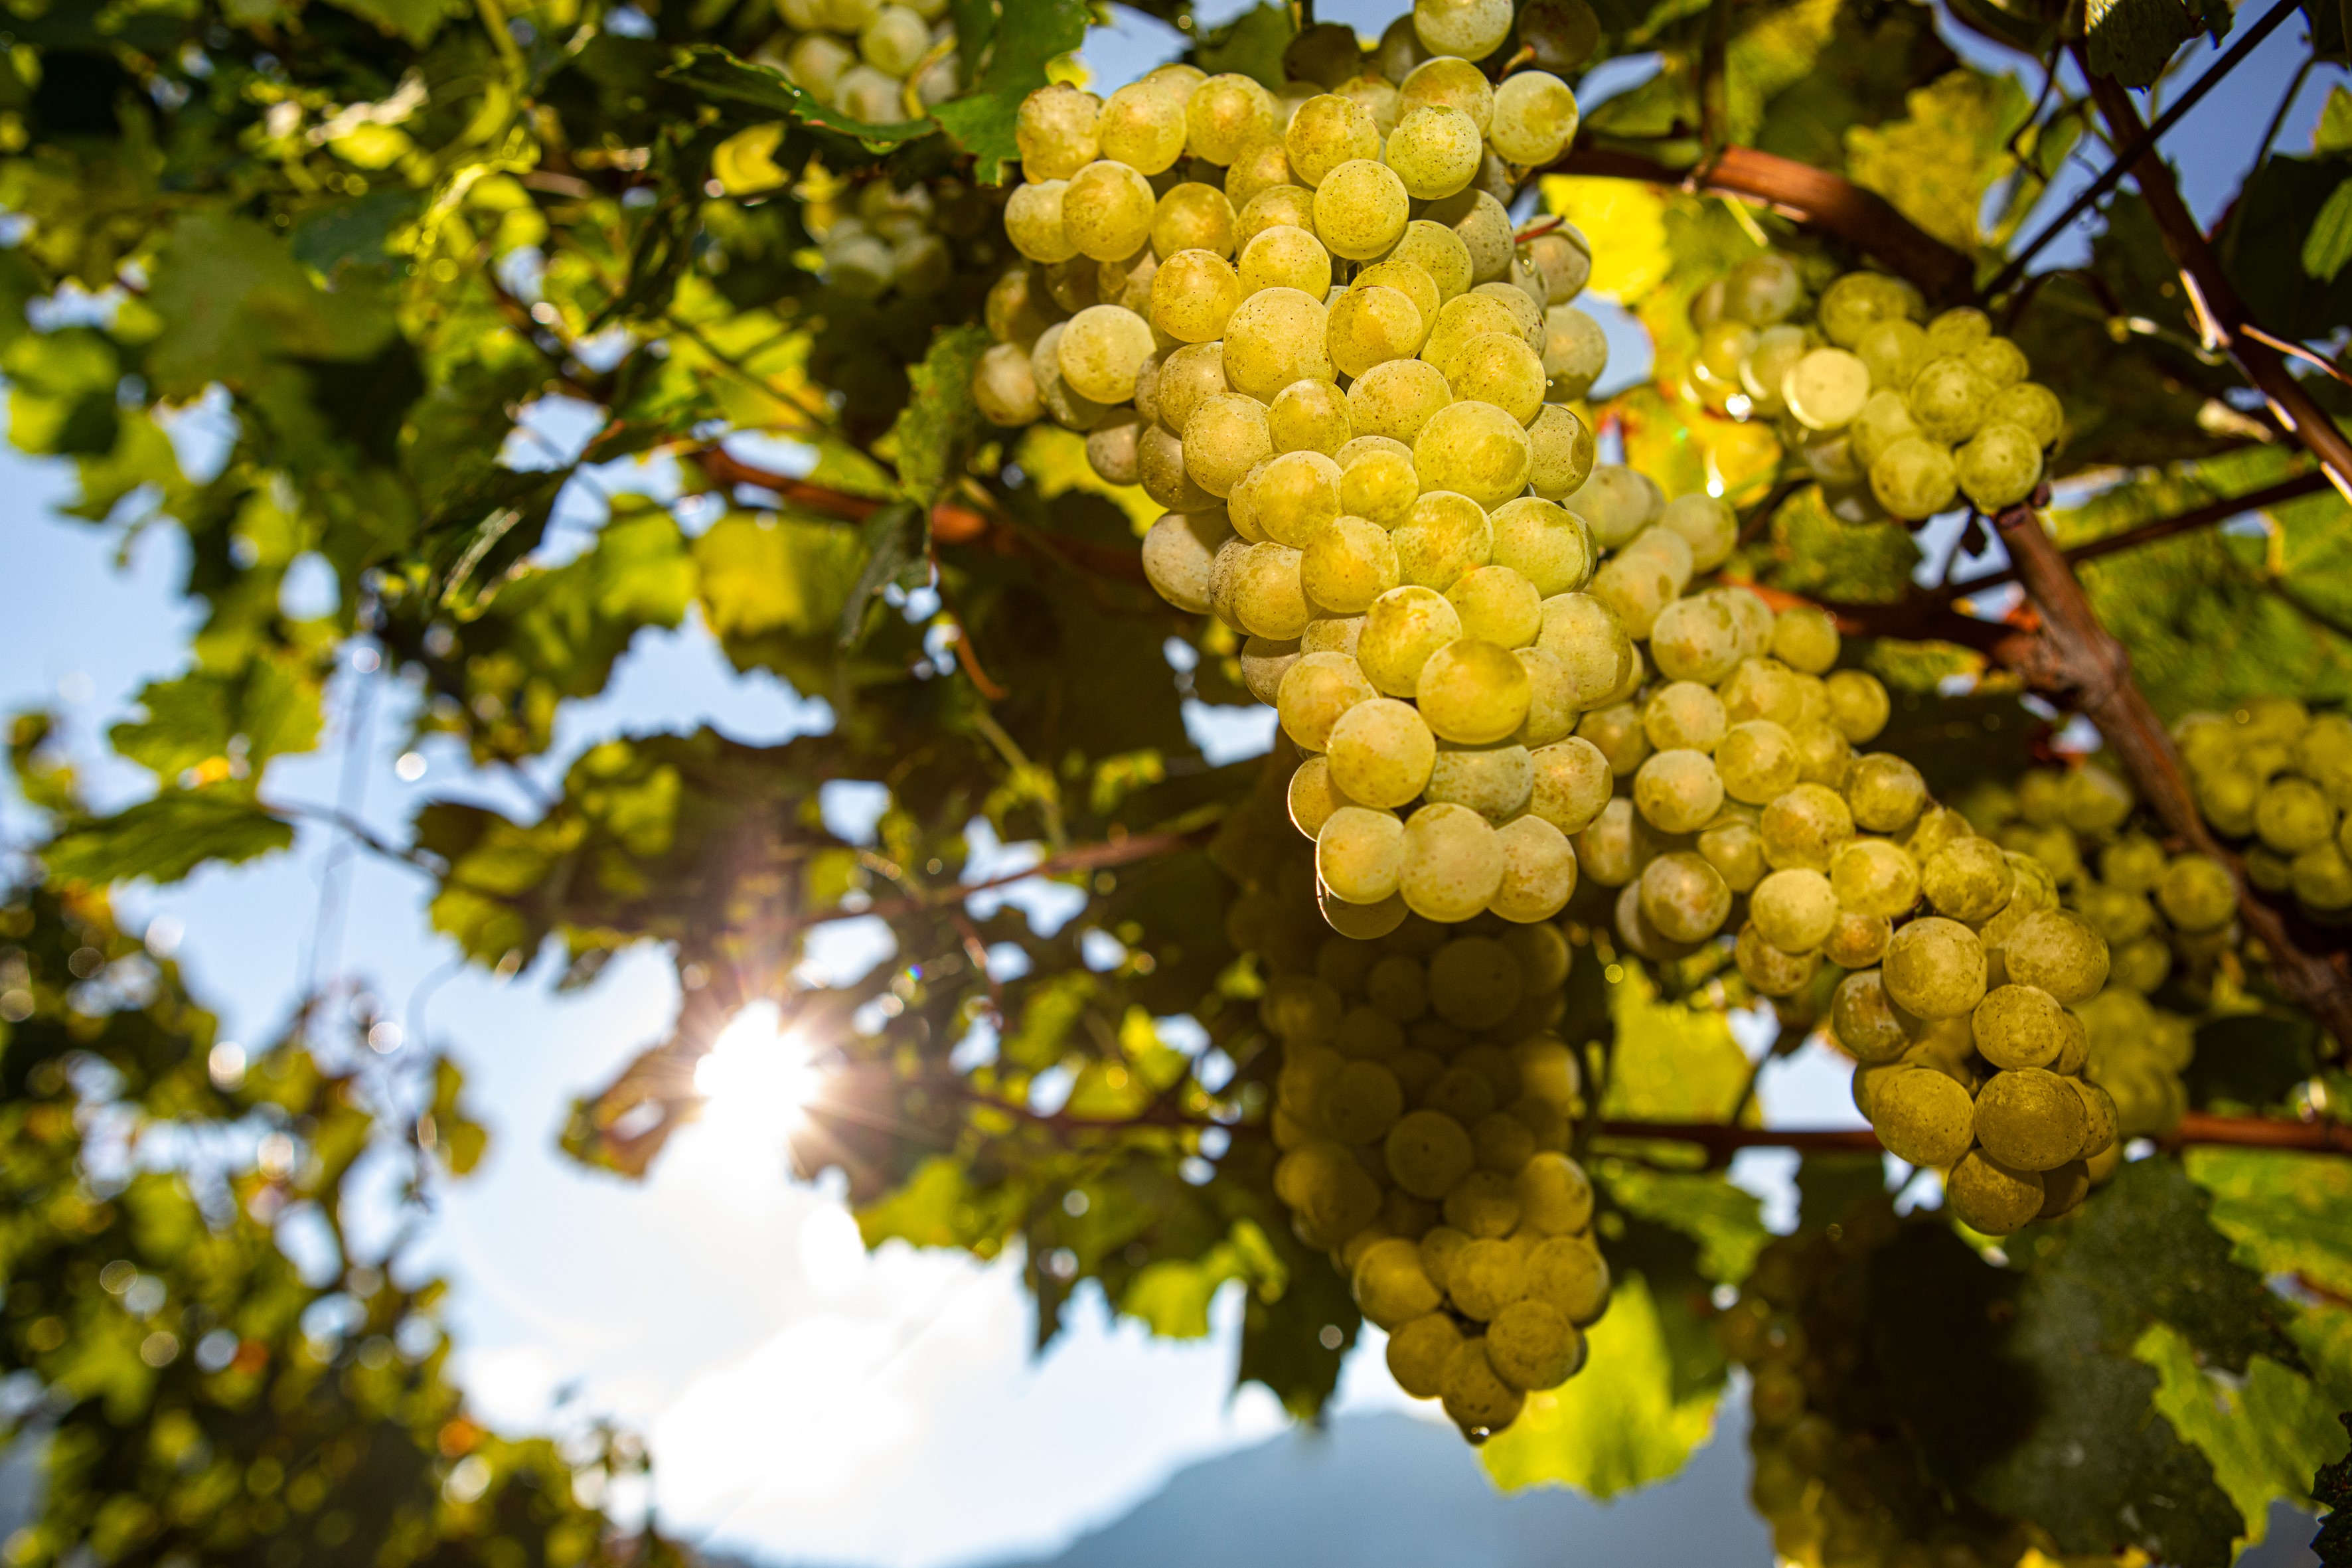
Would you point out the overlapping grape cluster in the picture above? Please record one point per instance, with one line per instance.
(2279, 777)
(1874, 402)
(1837, 1474)
(1423, 1109)
(881, 61)
(877, 239)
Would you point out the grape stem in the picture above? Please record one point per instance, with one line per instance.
(2221, 313)
(2073, 652)
(2196, 1127)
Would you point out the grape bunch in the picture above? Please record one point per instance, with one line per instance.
(1422, 1111)
(1873, 401)
(1837, 1473)
(2273, 774)
(875, 239)
(881, 61)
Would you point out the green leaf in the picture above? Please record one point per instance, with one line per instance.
(459, 1139)
(714, 73)
(1296, 1331)
(938, 1206)
(773, 590)
(1725, 1221)
(2334, 131)
(1251, 45)
(414, 20)
(2288, 1213)
(1673, 1061)
(351, 239)
(229, 724)
(2329, 246)
(895, 540)
(935, 430)
(1613, 1427)
(1937, 164)
(232, 299)
(166, 838)
(1030, 36)
(2265, 1435)
(1173, 1294)
(2281, 242)
(2133, 40)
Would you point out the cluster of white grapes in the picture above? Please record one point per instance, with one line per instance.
(1914, 414)
(1423, 1109)
(877, 240)
(879, 61)
(2271, 772)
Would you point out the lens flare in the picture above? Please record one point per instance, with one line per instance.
(759, 1078)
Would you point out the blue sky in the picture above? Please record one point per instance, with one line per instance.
(798, 1393)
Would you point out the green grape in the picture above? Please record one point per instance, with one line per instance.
(1914, 478)
(1178, 554)
(1513, 295)
(1706, 524)
(1496, 604)
(1142, 126)
(1496, 782)
(2032, 407)
(1192, 295)
(1107, 211)
(1285, 257)
(1263, 167)
(1535, 117)
(1575, 352)
(1872, 876)
(1805, 638)
(1359, 854)
(1401, 629)
(1572, 783)
(2030, 1119)
(1499, 368)
(1418, 1354)
(1390, 1285)
(1472, 29)
(1454, 83)
(1465, 1096)
(1855, 302)
(1434, 150)
(1956, 331)
(1531, 1345)
(1684, 897)
(1935, 968)
(1895, 350)
(1309, 416)
(1678, 791)
(1886, 793)
(1437, 250)
(1695, 639)
(1826, 389)
(1616, 729)
(1443, 1246)
(1638, 587)
(1922, 1116)
(1275, 337)
(1793, 909)
(1189, 376)
(1453, 866)
(2292, 814)
(1474, 449)
(1372, 325)
(1461, 320)
(1194, 217)
(1263, 664)
(1351, 563)
(1569, 1272)
(1858, 705)
(1398, 398)
(1472, 692)
(1399, 987)
(1312, 797)
(1100, 350)
(1865, 1021)
(1764, 373)
(1426, 1154)
(1377, 483)
(1004, 388)
(1885, 418)
(1056, 130)
(1224, 579)
(1112, 448)
(1998, 467)
(1734, 848)
(2020, 1027)
(1682, 715)
(1723, 350)
(1610, 848)
(1543, 543)
(2099, 1123)
(1360, 1105)
(1538, 870)
(1267, 599)
(1486, 1275)
(1360, 922)
(1443, 537)
(2094, 802)
(1617, 503)
(1858, 940)
(1475, 982)
(1590, 641)
(1990, 1198)
(1225, 436)
(2322, 878)
(1772, 971)
(1949, 398)
(2000, 362)
(2063, 1189)
(1381, 750)
(1276, 207)
(2057, 950)
(1327, 1191)
(1327, 131)
(1759, 761)
(1360, 209)
(1226, 114)
(1804, 827)
(1823, 756)
(1411, 279)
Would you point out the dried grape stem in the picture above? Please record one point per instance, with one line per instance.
(2073, 651)
(2220, 311)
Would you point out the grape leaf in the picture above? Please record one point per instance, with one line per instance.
(1673, 1062)
(234, 299)
(2265, 1435)
(1251, 45)
(2284, 242)
(1725, 1221)
(166, 838)
(773, 590)
(2288, 1213)
(414, 20)
(1030, 35)
(2134, 40)
(1616, 1425)
(714, 73)
(935, 431)
(1295, 1334)
(1937, 164)
(209, 720)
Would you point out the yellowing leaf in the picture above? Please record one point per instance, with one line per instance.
(1673, 1063)
(2266, 1435)
(1616, 1424)
(745, 163)
(1625, 220)
(1936, 164)
(1055, 460)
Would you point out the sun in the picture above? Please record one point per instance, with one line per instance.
(759, 1077)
